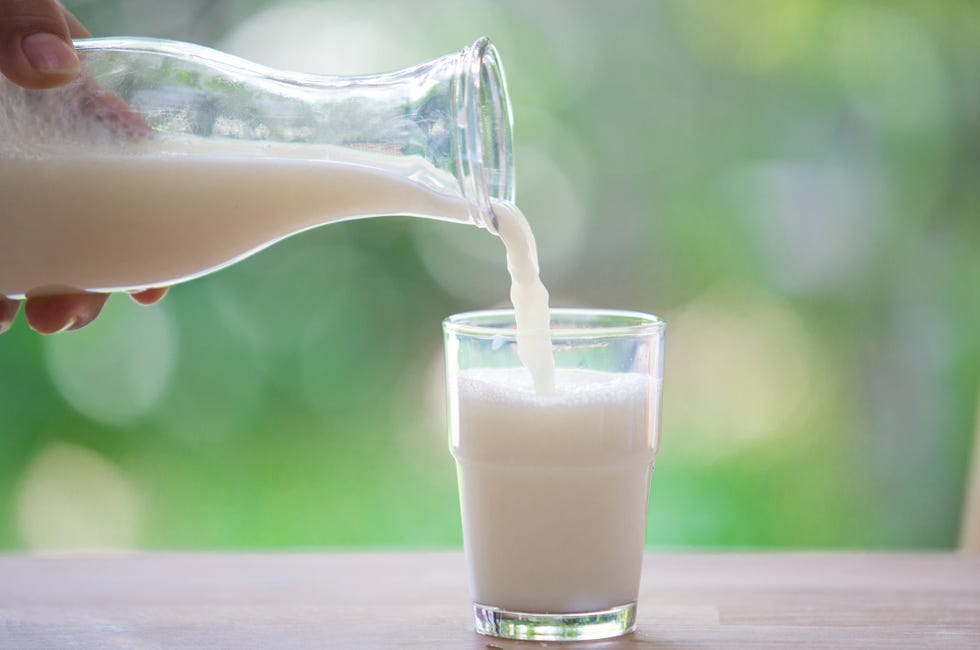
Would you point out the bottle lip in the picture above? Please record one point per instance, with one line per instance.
(484, 149)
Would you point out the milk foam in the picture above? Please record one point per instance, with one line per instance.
(34, 124)
(573, 386)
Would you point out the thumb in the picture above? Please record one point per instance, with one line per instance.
(36, 50)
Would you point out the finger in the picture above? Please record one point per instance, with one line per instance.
(8, 309)
(52, 314)
(149, 296)
(35, 44)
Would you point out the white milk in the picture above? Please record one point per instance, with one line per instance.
(141, 219)
(554, 488)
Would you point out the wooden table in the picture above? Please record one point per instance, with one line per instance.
(420, 600)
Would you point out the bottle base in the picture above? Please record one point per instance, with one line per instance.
(579, 626)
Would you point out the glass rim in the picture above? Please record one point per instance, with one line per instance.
(631, 323)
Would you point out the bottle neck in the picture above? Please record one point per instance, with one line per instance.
(483, 138)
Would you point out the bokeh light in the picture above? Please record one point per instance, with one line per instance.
(317, 37)
(740, 365)
(71, 497)
(115, 371)
(819, 225)
(895, 79)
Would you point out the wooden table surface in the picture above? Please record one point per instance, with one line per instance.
(420, 600)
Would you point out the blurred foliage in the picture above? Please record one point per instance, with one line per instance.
(794, 185)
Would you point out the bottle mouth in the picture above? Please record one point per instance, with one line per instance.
(484, 151)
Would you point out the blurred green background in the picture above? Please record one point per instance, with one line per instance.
(793, 185)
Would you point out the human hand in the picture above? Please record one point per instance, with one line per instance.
(36, 52)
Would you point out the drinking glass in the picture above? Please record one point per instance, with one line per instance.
(554, 488)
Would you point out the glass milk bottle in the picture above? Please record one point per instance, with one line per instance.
(165, 161)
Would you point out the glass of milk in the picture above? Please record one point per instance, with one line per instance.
(553, 488)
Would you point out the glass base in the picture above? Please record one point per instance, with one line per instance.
(582, 626)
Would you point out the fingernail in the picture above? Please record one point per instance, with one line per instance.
(78, 322)
(50, 54)
(67, 326)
